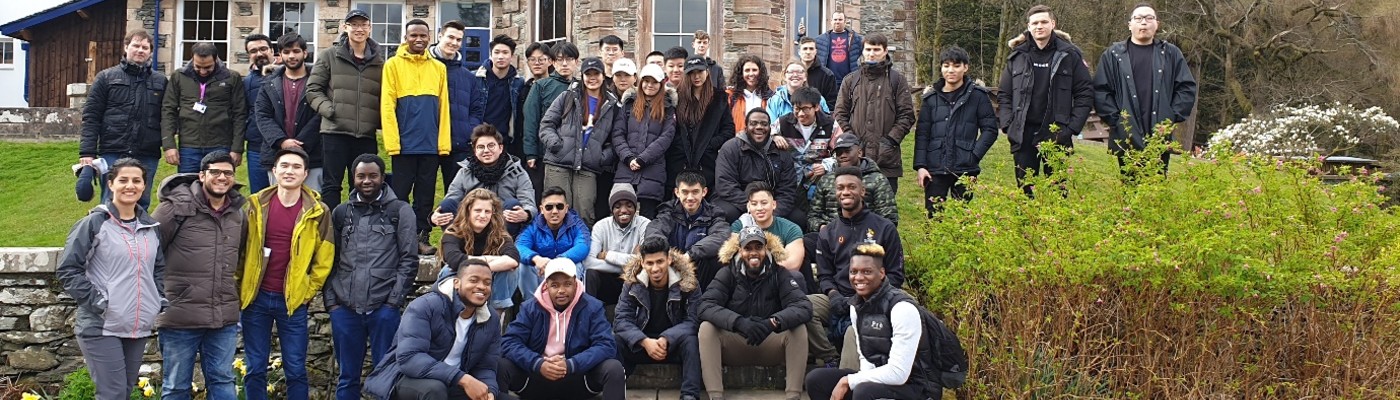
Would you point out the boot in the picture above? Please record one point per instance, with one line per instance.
(424, 247)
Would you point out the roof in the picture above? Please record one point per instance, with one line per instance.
(14, 28)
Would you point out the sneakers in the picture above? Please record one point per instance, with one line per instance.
(689, 397)
(424, 247)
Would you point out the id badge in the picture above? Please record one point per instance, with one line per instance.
(200, 107)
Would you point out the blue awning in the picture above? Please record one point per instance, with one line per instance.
(13, 28)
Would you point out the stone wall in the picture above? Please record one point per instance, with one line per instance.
(40, 124)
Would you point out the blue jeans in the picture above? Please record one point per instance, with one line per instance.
(349, 333)
(191, 156)
(151, 163)
(215, 348)
(503, 285)
(268, 308)
(257, 175)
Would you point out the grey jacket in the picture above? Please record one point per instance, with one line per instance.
(376, 253)
(561, 132)
(115, 273)
(621, 243)
(345, 92)
(1173, 94)
(514, 184)
(203, 252)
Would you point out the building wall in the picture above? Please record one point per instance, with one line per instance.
(59, 52)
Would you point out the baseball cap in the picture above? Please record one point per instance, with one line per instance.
(592, 64)
(356, 14)
(560, 265)
(751, 234)
(654, 71)
(625, 66)
(696, 63)
(846, 141)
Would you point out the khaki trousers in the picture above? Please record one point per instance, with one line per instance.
(720, 347)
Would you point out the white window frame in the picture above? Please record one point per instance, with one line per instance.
(568, 22)
(179, 50)
(442, 17)
(683, 35)
(387, 47)
(311, 11)
(824, 18)
(6, 41)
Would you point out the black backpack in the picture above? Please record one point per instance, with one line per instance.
(947, 365)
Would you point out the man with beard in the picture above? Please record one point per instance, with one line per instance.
(121, 117)
(201, 233)
(614, 245)
(260, 53)
(465, 109)
(204, 110)
(880, 128)
(753, 157)
(373, 272)
(826, 205)
(561, 345)
(656, 314)
(754, 313)
(692, 225)
(417, 123)
(283, 116)
(344, 89)
(489, 167)
(449, 344)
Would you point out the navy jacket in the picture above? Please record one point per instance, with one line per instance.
(464, 109)
(425, 337)
(269, 114)
(252, 84)
(587, 343)
(952, 138)
(510, 85)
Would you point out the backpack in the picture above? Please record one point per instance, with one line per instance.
(947, 365)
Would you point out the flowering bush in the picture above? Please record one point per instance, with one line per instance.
(1306, 130)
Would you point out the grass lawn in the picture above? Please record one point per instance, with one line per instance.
(38, 206)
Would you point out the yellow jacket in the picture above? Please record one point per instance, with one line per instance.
(413, 105)
(313, 252)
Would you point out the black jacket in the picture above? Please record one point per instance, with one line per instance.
(741, 161)
(699, 236)
(1071, 92)
(122, 112)
(269, 112)
(696, 146)
(838, 240)
(633, 312)
(824, 81)
(952, 138)
(1174, 92)
(773, 293)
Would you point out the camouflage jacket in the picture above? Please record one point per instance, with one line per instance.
(879, 196)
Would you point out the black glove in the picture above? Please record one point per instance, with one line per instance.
(839, 306)
(752, 330)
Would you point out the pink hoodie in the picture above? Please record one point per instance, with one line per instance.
(559, 320)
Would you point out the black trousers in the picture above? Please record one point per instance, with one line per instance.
(604, 286)
(1130, 177)
(449, 165)
(607, 379)
(938, 189)
(821, 381)
(894, 184)
(646, 209)
(416, 175)
(337, 153)
(432, 389)
(684, 352)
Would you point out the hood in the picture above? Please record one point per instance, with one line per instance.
(143, 219)
(631, 95)
(868, 166)
(385, 196)
(220, 71)
(437, 54)
(180, 189)
(731, 249)
(749, 144)
(402, 52)
(557, 332)
(1025, 37)
(682, 271)
(445, 287)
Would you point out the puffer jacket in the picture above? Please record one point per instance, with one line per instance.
(741, 162)
(313, 253)
(119, 288)
(540, 97)
(1173, 95)
(425, 338)
(645, 141)
(379, 268)
(562, 134)
(854, 47)
(414, 105)
(774, 293)
(633, 308)
(952, 138)
(588, 336)
(223, 122)
(699, 236)
(877, 104)
(1071, 92)
(122, 112)
(270, 113)
(346, 93)
(203, 252)
(696, 146)
(570, 242)
(780, 104)
(514, 184)
(465, 109)
(879, 196)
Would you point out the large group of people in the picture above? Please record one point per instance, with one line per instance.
(599, 213)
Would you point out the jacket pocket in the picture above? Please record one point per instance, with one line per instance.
(966, 160)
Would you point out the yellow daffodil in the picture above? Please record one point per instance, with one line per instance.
(271, 388)
(277, 363)
(30, 396)
(143, 382)
(149, 391)
(194, 387)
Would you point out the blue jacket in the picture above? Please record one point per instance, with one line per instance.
(425, 337)
(464, 109)
(588, 340)
(489, 83)
(538, 240)
(854, 48)
(252, 84)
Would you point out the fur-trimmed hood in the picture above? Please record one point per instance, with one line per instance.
(1026, 36)
(731, 249)
(682, 271)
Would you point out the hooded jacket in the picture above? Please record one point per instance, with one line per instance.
(879, 197)
(952, 138)
(807, 151)
(696, 147)
(780, 105)
(466, 109)
(514, 83)
(646, 141)
(620, 243)
(380, 266)
(313, 252)
(222, 122)
(122, 112)
(821, 77)
(773, 293)
(346, 93)
(1071, 92)
(582, 332)
(741, 162)
(838, 240)
(541, 96)
(425, 337)
(414, 105)
(270, 112)
(514, 184)
(699, 236)
(119, 288)
(203, 251)
(571, 241)
(877, 104)
(565, 141)
(739, 110)
(633, 312)
(1173, 92)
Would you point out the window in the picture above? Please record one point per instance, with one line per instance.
(811, 11)
(297, 17)
(674, 22)
(386, 21)
(203, 21)
(7, 53)
(473, 14)
(552, 20)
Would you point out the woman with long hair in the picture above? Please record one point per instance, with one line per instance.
(574, 136)
(479, 231)
(748, 88)
(113, 268)
(703, 124)
(641, 138)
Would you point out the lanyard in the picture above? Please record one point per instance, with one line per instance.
(202, 86)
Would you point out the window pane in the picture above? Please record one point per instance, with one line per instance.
(666, 17)
(395, 13)
(219, 31)
(205, 10)
(377, 13)
(220, 9)
(189, 30)
(695, 16)
(395, 34)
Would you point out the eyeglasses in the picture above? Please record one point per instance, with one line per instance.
(806, 109)
(219, 172)
(555, 206)
(794, 72)
(1144, 18)
(359, 25)
(493, 146)
(538, 60)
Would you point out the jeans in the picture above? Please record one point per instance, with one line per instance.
(114, 364)
(151, 163)
(503, 285)
(337, 153)
(257, 175)
(415, 177)
(266, 309)
(190, 157)
(215, 348)
(684, 351)
(350, 331)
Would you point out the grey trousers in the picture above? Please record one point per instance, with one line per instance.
(114, 363)
(580, 188)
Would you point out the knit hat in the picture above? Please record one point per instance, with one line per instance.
(620, 192)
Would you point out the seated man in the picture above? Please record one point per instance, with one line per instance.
(447, 346)
(754, 313)
(692, 225)
(656, 313)
(826, 205)
(753, 157)
(808, 131)
(558, 233)
(894, 361)
(561, 345)
(615, 241)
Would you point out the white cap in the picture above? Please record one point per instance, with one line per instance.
(561, 265)
(624, 65)
(654, 71)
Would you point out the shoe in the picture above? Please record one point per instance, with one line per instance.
(424, 248)
(793, 396)
(716, 396)
(689, 397)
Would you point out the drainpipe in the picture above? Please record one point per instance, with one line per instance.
(28, 64)
(155, 40)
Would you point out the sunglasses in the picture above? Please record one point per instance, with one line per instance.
(555, 206)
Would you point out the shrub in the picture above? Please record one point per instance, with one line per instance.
(1305, 130)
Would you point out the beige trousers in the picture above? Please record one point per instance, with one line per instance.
(720, 347)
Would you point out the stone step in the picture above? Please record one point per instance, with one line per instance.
(668, 376)
(663, 394)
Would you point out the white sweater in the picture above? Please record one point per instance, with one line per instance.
(908, 328)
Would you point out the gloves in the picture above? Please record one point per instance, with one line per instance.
(752, 329)
(839, 306)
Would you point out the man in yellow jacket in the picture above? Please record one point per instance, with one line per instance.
(289, 254)
(417, 130)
